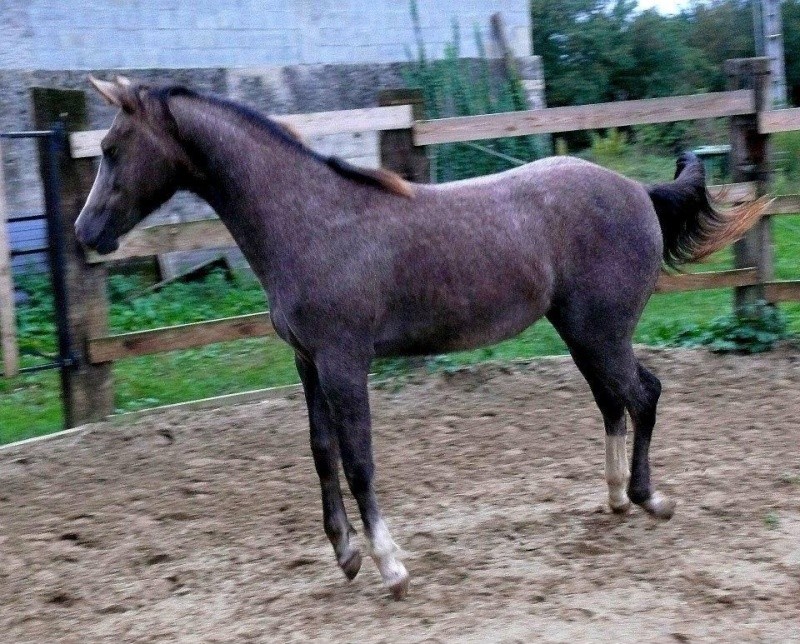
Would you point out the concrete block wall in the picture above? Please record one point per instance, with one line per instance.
(95, 34)
(280, 56)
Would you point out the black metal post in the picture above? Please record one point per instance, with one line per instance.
(55, 236)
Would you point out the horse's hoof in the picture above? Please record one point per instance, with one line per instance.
(351, 565)
(659, 506)
(399, 588)
(620, 509)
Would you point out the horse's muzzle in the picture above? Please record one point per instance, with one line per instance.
(102, 242)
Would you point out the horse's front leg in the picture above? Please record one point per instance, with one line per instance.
(344, 381)
(324, 448)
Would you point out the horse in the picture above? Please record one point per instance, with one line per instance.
(359, 264)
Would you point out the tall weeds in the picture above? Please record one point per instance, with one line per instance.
(453, 86)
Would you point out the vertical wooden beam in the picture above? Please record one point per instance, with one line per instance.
(397, 150)
(8, 317)
(750, 162)
(512, 69)
(87, 388)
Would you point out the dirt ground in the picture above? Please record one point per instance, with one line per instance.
(205, 525)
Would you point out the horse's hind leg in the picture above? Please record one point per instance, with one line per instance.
(609, 394)
(618, 382)
(642, 409)
(344, 382)
(324, 448)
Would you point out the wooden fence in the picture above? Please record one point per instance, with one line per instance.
(402, 130)
(8, 332)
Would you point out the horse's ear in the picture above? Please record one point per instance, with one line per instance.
(118, 94)
(111, 92)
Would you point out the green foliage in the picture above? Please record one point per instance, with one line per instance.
(636, 164)
(36, 318)
(786, 155)
(753, 330)
(596, 51)
(181, 303)
(454, 86)
(662, 136)
(611, 146)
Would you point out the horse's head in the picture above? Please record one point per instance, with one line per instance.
(142, 165)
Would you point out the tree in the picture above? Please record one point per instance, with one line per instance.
(597, 51)
(722, 29)
(584, 49)
(791, 47)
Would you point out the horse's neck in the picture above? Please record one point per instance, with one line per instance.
(270, 196)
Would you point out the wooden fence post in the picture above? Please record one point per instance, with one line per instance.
(750, 162)
(8, 318)
(87, 388)
(397, 150)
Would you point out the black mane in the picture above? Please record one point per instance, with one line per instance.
(380, 178)
(248, 114)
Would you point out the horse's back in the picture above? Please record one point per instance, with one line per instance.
(569, 205)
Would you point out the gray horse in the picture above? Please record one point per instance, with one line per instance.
(359, 264)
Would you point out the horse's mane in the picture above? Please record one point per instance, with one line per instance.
(379, 178)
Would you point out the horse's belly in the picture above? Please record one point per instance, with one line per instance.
(443, 333)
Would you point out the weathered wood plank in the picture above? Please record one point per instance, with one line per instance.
(783, 291)
(583, 117)
(183, 336)
(8, 316)
(733, 193)
(168, 238)
(668, 283)
(784, 205)
(370, 119)
(773, 121)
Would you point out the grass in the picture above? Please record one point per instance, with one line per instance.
(30, 404)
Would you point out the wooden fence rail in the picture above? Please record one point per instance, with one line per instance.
(774, 121)
(370, 119)
(182, 336)
(749, 123)
(583, 117)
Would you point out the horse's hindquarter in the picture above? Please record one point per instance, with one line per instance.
(605, 235)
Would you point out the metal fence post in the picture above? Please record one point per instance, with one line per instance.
(87, 388)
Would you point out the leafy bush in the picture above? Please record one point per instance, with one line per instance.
(662, 137)
(613, 145)
(755, 329)
(36, 317)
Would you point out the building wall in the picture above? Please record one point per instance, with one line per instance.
(279, 56)
(92, 34)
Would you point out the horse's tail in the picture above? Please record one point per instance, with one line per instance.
(691, 224)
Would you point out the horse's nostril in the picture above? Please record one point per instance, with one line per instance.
(80, 233)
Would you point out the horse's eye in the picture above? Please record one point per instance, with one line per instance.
(111, 152)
